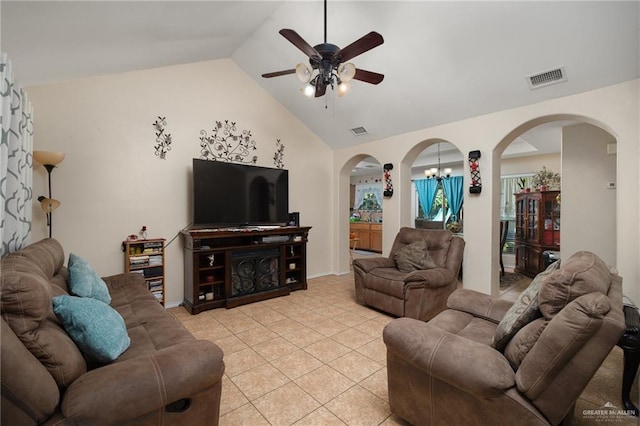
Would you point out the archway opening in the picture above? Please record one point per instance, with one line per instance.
(437, 187)
(548, 223)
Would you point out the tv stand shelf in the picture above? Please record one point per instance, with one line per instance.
(228, 267)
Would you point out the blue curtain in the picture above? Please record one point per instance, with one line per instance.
(455, 194)
(426, 193)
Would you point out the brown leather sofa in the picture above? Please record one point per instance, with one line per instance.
(165, 377)
(420, 294)
(449, 370)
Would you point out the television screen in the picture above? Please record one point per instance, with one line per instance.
(228, 194)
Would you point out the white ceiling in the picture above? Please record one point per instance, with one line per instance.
(443, 61)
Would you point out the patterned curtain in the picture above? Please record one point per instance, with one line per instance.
(16, 146)
(367, 188)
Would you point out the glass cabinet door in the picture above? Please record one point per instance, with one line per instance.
(521, 222)
(533, 206)
(551, 221)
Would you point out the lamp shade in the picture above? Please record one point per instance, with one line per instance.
(346, 72)
(49, 204)
(303, 72)
(48, 158)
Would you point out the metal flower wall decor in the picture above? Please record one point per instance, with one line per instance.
(279, 155)
(227, 144)
(163, 140)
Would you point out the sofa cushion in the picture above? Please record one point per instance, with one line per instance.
(27, 289)
(97, 329)
(520, 344)
(561, 339)
(85, 282)
(414, 257)
(582, 273)
(387, 281)
(523, 311)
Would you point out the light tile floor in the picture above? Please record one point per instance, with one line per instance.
(316, 357)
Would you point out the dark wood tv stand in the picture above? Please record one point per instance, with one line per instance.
(228, 267)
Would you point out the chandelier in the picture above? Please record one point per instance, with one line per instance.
(435, 172)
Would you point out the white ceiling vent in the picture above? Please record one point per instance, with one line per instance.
(359, 131)
(546, 78)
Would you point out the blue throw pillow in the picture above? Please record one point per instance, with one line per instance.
(84, 282)
(95, 327)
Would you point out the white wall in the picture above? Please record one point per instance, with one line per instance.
(111, 182)
(527, 165)
(615, 108)
(586, 198)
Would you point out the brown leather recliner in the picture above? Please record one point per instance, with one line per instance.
(451, 371)
(420, 294)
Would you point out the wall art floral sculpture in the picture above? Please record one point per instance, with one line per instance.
(163, 140)
(227, 144)
(279, 155)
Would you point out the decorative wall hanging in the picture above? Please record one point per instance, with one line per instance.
(388, 186)
(474, 166)
(279, 155)
(226, 144)
(163, 140)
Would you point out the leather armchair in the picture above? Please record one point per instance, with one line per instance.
(419, 294)
(448, 371)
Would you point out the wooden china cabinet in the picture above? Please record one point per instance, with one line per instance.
(537, 229)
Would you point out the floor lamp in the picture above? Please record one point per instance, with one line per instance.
(48, 204)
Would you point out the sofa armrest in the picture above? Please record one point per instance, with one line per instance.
(366, 264)
(435, 277)
(479, 304)
(129, 389)
(460, 362)
(124, 280)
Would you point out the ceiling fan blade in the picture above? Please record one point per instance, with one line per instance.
(321, 88)
(279, 73)
(368, 76)
(300, 43)
(363, 44)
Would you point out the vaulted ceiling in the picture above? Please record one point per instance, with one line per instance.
(443, 61)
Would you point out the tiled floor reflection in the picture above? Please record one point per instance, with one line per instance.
(316, 357)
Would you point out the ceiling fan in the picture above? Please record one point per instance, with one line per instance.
(331, 62)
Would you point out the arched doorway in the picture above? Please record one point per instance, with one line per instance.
(583, 151)
(366, 213)
(346, 199)
(437, 186)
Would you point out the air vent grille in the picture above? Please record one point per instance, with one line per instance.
(546, 78)
(359, 131)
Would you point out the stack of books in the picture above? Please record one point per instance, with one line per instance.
(138, 261)
(153, 247)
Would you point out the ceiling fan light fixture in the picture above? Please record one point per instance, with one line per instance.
(303, 72)
(346, 72)
(343, 88)
(308, 90)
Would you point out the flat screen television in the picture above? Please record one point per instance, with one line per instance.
(235, 195)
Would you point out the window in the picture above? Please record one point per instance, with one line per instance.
(444, 199)
(509, 186)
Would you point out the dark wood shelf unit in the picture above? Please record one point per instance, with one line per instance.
(537, 229)
(231, 267)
